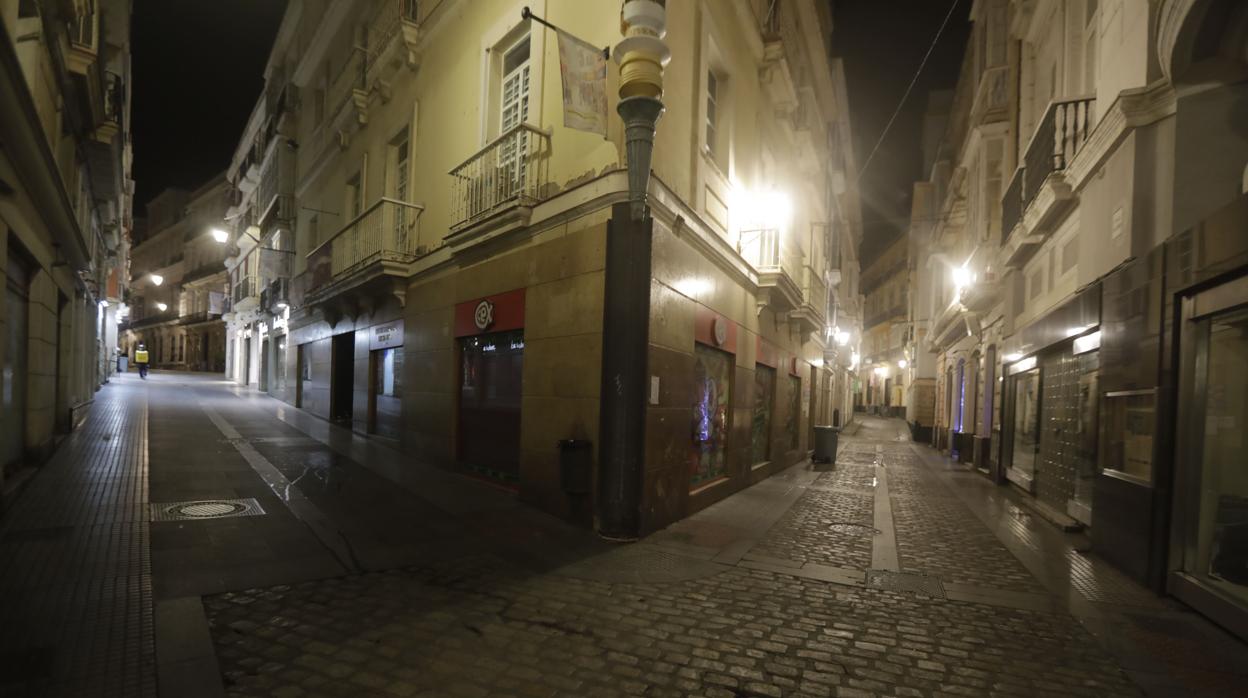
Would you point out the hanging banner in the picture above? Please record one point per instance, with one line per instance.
(584, 72)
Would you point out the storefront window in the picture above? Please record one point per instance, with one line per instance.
(793, 420)
(1127, 433)
(1222, 542)
(387, 387)
(711, 407)
(489, 404)
(1026, 422)
(280, 369)
(764, 398)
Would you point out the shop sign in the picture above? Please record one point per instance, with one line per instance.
(386, 336)
(498, 313)
(715, 330)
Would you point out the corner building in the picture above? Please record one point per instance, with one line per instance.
(420, 243)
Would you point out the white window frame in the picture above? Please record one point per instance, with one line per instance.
(501, 36)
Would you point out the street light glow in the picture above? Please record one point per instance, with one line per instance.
(162, 307)
(903, 363)
(962, 277)
(220, 235)
(842, 337)
(157, 279)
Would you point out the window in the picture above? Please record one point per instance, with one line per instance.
(712, 386)
(794, 418)
(515, 85)
(711, 116)
(760, 425)
(514, 104)
(1070, 254)
(713, 95)
(1035, 284)
(355, 198)
(1089, 53)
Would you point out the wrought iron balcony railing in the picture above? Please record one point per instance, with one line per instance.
(761, 248)
(1058, 138)
(385, 231)
(510, 170)
(247, 287)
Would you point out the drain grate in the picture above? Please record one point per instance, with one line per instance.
(906, 582)
(206, 509)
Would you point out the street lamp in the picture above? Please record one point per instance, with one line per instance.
(157, 279)
(962, 277)
(220, 235)
(902, 363)
(162, 307)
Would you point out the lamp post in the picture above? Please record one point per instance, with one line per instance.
(641, 55)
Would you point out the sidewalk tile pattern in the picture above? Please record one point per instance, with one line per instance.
(75, 587)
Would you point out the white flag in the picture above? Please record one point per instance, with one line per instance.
(584, 72)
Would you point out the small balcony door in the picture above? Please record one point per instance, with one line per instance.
(514, 110)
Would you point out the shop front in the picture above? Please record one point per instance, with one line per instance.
(1049, 435)
(489, 333)
(1208, 543)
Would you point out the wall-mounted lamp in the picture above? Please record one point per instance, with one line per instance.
(903, 363)
(220, 235)
(162, 307)
(157, 279)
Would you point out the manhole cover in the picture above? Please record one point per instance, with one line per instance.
(852, 529)
(907, 582)
(206, 509)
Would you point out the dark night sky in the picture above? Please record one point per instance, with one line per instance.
(198, 70)
(882, 44)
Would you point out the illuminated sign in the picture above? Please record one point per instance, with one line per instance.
(386, 336)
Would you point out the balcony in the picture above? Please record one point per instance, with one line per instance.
(372, 252)
(244, 294)
(494, 190)
(84, 37)
(276, 295)
(114, 108)
(393, 37)
(275, 194)
(764, 251)
(812, 314)
(1038, 194)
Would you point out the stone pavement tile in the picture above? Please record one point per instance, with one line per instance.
(481, 626)
(832, 528)
(75, 574)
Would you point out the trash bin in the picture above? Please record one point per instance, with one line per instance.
(576, 460)
(122, 363)
(825, 444)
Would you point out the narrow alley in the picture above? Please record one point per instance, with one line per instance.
(202, 539)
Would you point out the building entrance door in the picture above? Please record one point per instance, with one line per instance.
(385, 392)
(342, 380)
(1212, 475)
(491, 368)
(1055, 478)
(264, 364)
(13, 372)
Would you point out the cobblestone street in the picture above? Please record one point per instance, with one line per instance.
(897, 573)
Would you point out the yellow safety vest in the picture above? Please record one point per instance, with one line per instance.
(140, 356)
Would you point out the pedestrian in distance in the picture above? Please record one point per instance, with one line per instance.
(140, 358)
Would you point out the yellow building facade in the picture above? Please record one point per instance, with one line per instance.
(421, 244)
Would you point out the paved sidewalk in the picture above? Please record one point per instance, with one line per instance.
(897, 573)
(75, 567)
